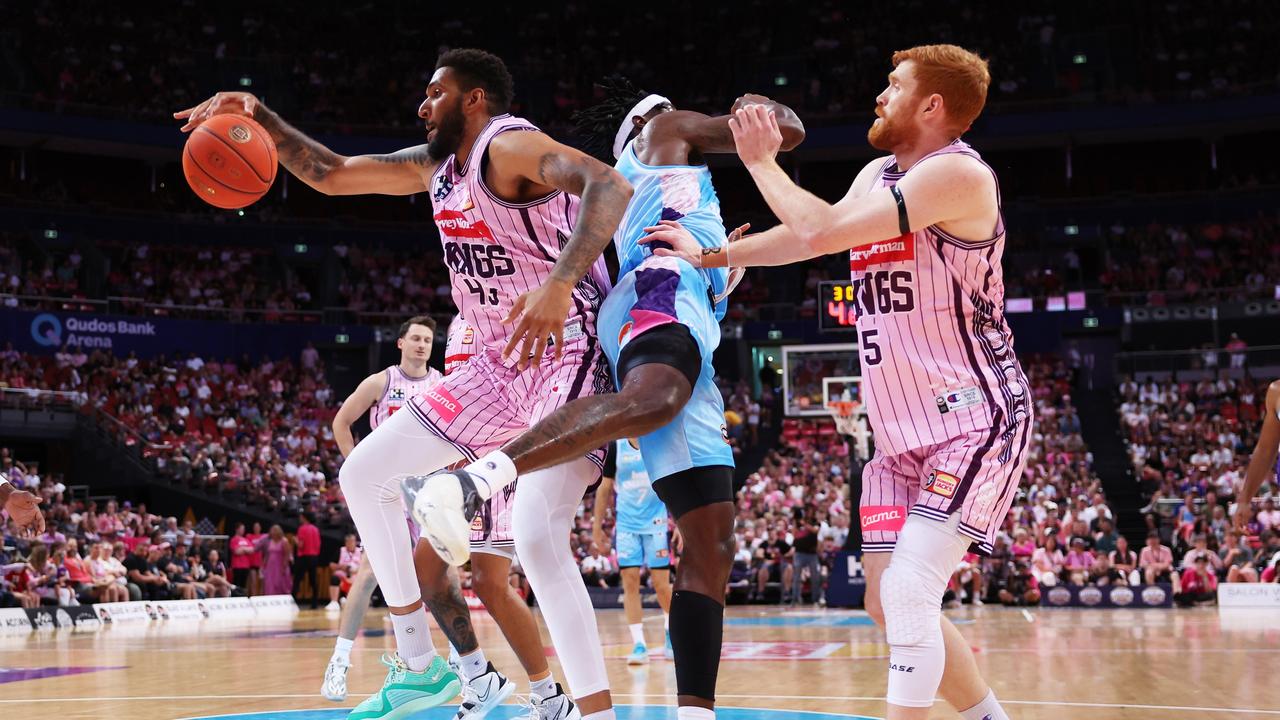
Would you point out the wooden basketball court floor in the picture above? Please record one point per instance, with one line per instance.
(1044, 663)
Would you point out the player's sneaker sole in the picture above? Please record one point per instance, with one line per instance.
(436, 503)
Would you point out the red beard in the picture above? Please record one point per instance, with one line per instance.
(886, 135)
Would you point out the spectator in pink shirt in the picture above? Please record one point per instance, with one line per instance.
(242, 551)
(1156, 560)
(1047, 562)
(307, 561)
(1023, 546)
(1079, 562)
(1269, 516)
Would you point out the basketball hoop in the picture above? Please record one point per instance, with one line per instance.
(846, 413)
(851, 420)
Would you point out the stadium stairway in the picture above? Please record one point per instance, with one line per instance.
(1100, 426)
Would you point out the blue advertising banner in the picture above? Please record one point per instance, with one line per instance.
(1108, 596)
(47, 332)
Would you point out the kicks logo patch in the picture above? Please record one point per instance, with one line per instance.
(941, 483)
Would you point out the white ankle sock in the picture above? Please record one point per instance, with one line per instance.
(689, 712)
(544, 688)
(413, 639)
(495, 471)
(637, 633)
(473, 664)
(342, 650)
(988, 709)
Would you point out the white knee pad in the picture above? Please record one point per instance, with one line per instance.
(911, 591)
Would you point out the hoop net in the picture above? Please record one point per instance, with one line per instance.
(846, 414)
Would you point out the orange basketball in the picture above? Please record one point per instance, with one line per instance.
(230, 161)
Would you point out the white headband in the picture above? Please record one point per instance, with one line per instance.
(641, 108)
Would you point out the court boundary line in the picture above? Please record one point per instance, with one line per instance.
(860, 698)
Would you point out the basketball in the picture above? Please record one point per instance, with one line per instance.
(229, 161)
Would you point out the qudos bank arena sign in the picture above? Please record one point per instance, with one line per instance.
(47, 330)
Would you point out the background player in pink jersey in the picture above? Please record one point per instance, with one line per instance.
(947, 400)
(524, 221)
(382, 394)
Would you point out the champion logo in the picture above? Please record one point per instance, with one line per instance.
(409, 630)
(491, 465)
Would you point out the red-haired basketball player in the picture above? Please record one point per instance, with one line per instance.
(524, 221)
(947, 399)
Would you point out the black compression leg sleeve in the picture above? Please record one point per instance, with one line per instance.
(697, 631)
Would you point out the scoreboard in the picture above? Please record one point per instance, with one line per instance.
(837, 311)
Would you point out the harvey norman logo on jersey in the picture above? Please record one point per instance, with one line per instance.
(890, 251)
(49, 330)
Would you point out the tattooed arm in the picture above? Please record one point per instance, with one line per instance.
(403, 172)
(543, 165)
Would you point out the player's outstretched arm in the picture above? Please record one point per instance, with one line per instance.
(358, 403)
(545, 163)
(403, 172)
(1263, 461)
(711, 134)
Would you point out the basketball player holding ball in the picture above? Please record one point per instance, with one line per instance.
(524, 221)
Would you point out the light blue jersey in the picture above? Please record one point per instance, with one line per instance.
(683, 193)
(638, 508)
(655, 291)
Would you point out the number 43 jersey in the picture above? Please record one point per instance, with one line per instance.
(498, 250)
(937, 355)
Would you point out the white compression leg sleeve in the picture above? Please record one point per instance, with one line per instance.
(545, 504)
(911, 589)
(370, 479)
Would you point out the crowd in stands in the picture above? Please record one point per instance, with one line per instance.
(252, 432)
(259, 433)
(831, 58)
(182, 279)
(382, 280)
(1189, 441)
(1175, 263)
(91, 552)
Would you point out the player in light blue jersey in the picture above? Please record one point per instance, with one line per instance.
(659, 327)
(640, 535)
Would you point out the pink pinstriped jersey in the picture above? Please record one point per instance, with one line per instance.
(459, 345)
(937, 355)
(400, 388)
(497, 250)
